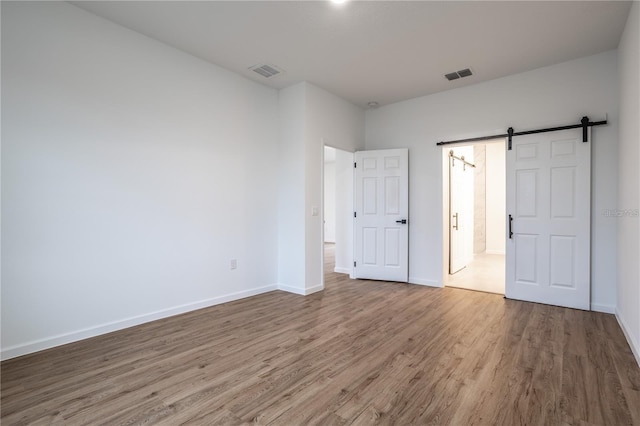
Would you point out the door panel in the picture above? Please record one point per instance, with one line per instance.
(527, 193)
(549, 197)
(369, 246)
(526, 259)
(563, 192)
(382, 202)
(391, 195)
(562, 259)
(392, 247)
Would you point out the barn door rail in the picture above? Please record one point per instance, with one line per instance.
(465, 162)
(585, 123)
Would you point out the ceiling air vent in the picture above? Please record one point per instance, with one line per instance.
(458, 74)
(452, 76)
(267, 71)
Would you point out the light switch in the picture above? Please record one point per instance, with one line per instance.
(314, 210)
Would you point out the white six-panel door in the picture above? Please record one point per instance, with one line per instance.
(381, 249)
(549, 202)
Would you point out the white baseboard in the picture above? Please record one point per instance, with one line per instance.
(607, 309)
(495, 252)
(635, 347)
(314, 289)
(289, 289)
(420, 281)
(342, 270)
(300, 291)
(74, 336)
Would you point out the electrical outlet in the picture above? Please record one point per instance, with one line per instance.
(233, 264)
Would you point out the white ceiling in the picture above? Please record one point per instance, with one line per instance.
(383, 51)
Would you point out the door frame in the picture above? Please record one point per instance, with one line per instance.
(445, 203)
(322, 206)
(452, 195)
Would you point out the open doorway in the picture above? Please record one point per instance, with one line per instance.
(474, 225)
(338, 212)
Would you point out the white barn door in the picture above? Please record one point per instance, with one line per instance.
(548, 219)
(461, 214)
(381, 215)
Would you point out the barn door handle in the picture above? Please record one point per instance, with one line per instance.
(510, 227)
(403, 221)
(455, 216)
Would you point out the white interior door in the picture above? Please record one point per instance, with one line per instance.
(381, 249)
(548, 219)
(461, 210)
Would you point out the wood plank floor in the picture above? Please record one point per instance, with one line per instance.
(361, 352)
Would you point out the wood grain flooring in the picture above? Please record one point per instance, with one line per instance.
(360, 352)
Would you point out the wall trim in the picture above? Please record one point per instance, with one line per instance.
(301, 291)
(314, 289)
(635, 347)
(421, 281)
(342, 270)
(86, 333)
(607, 309)
(289, 289)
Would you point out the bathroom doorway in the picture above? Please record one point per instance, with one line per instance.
(475, 205)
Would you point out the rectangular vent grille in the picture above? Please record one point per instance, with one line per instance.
(267, 71)
(458, 74)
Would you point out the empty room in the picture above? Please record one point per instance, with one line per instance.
(320, 212)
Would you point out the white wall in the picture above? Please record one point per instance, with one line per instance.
(344, 212)
(335, 122)
(628, 308)
(329, 200)
(310, 117)
(291, 194)
(496, 198)
(554, 95)
(131, 174)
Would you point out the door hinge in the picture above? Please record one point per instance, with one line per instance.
(354, 214)
(355, 165)
(354, 264)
